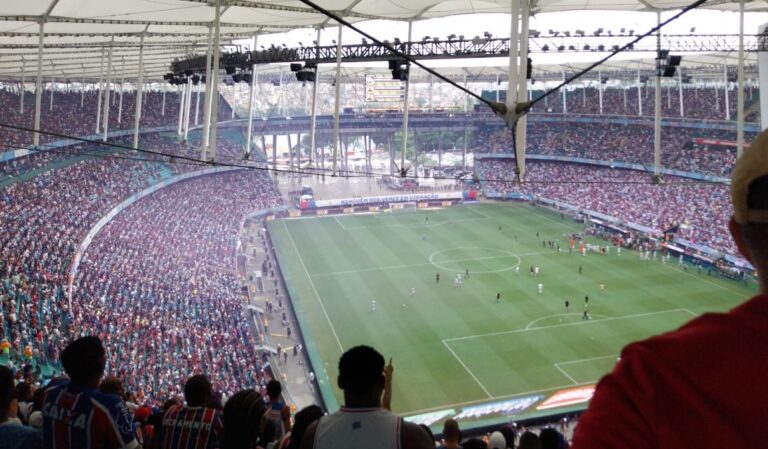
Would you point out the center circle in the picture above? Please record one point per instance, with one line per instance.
(468, 254)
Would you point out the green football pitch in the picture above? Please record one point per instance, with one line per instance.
(456, 346)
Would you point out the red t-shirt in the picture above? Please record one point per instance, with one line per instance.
(704, 385)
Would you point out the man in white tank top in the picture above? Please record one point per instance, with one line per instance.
(362, 423)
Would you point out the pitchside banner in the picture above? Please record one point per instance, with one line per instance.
(430, 418)
(509, 407)
(571, 396)
(383, 199)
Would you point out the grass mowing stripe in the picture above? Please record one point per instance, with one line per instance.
(317, 295)
(383, 262)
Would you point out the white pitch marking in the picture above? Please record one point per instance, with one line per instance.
(317, 295)
(530, 325)
(566, 374)
(515, 331)
(468, 370)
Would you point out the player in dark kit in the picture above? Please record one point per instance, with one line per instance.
(567, 304)
(466, 271)
(498, 297)
(437, 278)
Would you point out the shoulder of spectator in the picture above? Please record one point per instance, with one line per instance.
(414, 437)
(308, 441)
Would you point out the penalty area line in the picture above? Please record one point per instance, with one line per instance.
(485, 390)
(580, 323)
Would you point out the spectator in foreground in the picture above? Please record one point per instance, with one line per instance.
(242, 420)
(451, 435)
(75, 414)
(475, 443)
(12, 434)
(362, 422)
(529, 440)
(551, 439)
(497, 441)
(277, 413)
(304, 418)
(195, 415)
(702, 385)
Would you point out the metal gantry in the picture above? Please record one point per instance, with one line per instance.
(469, 48)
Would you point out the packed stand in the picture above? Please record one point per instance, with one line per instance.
(681, 148)
(81, 120)
(705, 103)
(157, 285)
(627, 195)
(42, 222)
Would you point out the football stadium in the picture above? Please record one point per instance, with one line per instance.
(306, 223)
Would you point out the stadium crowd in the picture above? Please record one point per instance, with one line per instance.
(44, 219)
(81, 120)
(88, 410)
(626, 143)
(157, 284)
(628, 195)
(705, 103)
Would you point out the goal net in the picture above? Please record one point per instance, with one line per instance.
(406, 205)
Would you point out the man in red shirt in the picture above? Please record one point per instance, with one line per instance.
(194, 426)
(703, 385)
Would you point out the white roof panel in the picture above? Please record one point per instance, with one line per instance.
(174, 27)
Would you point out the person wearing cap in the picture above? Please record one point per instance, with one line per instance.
(704, 384)
(364, 421)
(497, 441)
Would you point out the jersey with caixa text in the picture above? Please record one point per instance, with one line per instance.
(83, 418)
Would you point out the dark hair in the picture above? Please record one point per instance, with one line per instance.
(197, 390)
(451, 430)
(509, 435)
(23, 391)
(429, 432)
(112, 385)
(274, 389)
(474, 443)
(529, 440)
(360, 370)
(170, 403)
(6, 391)
(551, 439)
(303, 419)
(242, 415)
(37, 399)
(269, 432)
(84, 359)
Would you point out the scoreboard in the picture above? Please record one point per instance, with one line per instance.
(383, 90)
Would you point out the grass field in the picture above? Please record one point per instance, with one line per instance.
(453, 347)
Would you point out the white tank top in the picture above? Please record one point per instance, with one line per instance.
(359, 428)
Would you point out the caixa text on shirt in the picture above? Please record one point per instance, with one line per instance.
(65, 415)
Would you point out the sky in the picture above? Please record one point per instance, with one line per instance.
(704, 21)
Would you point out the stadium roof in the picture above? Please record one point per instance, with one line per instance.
(77, 30)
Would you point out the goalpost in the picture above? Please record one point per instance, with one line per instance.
(410, 205)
